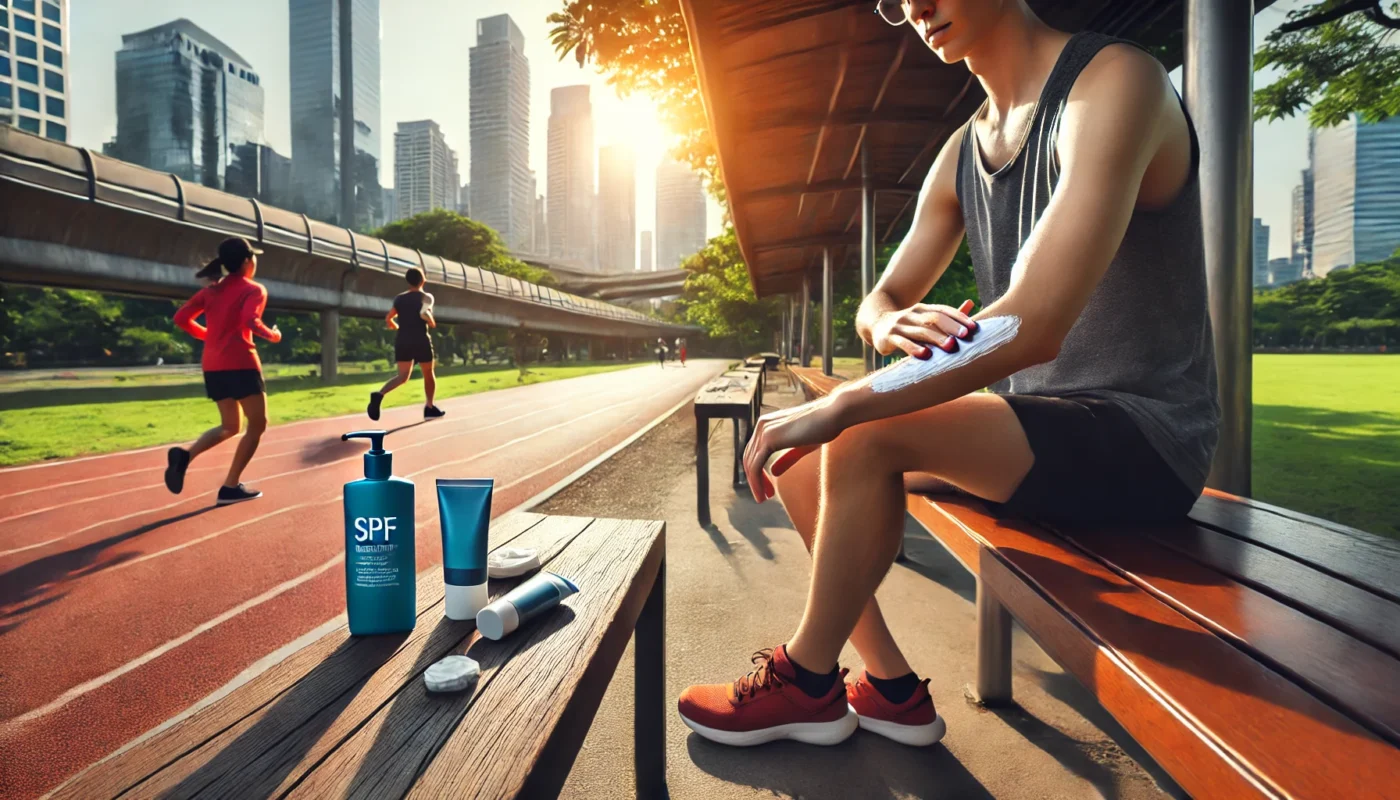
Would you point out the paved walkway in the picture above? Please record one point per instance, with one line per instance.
(122, 605)
(741, 584)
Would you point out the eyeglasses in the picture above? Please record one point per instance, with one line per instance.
(892, 11)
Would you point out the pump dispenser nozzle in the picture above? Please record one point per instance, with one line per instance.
(378, 461)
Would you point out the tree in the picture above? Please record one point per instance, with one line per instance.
(1338, 56)
(457, 238)
(643, 47)
(719, 297)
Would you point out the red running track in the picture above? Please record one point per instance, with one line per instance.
(122, 605)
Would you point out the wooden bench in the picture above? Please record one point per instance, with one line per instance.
(350, 717)
(1251, 650)
(736, 395)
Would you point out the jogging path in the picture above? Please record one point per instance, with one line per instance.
(122, 605)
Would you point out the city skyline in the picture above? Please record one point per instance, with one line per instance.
(423, 63)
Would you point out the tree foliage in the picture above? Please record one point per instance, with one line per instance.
(457, 238)
(1358, 306)
(1337, 57)
(643, 48)
(719, 297)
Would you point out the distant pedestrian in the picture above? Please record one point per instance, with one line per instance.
(412, 317)
(232, 307)
(661, 352)
(681, 347)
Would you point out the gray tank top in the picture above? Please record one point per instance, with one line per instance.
(1144, 340)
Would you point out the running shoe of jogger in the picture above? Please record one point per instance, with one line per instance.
(232, 307)
(1076, 187)
(412, 317)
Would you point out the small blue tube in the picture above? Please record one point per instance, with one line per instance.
(524, 603)
(464, 510)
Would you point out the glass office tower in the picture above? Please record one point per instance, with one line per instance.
(34, 66)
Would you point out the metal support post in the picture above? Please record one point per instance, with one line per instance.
(1218, 79)
(867, 245)
(649, 699)
(826, 311)
(804, 352)
(330, 344)
(993, 648)
(347, 115)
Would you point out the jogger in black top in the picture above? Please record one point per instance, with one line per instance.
(411, 316)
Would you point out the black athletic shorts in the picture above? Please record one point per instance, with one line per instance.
(419, 351)
(1092, 464)
(233, 384)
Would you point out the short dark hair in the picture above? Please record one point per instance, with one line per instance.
(414, 276)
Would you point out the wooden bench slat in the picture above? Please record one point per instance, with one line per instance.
(402, 738)
(268, 752)
(337, 654)
(1326, 660)
(1129, 649)
(1357, 557)
(1343, 605)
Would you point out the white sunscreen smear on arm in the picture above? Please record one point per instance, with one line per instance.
(992, 333)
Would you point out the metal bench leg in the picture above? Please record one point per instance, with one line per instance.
(702, 470)
(649, 701)
(739, 443)
(993, 648)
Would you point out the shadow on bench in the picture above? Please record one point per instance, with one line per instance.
(1252, 651)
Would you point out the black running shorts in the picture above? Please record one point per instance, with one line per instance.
(1092, 464)
(419, 351)
(233, 384)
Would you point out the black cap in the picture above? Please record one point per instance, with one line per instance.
(232, 253)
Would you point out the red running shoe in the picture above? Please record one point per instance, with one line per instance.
(765, 705)
(913, 722)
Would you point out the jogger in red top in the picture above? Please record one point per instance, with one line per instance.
(232, 308)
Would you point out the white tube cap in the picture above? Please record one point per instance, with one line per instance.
(497, 620)
(462, 602)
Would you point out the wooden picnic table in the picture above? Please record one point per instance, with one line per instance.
(350, 717)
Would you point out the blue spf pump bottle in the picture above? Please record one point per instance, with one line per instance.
(380, 578)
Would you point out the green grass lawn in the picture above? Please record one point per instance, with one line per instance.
(1327, 437)
(102, 416)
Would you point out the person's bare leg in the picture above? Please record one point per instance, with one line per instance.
(255, 409)
(975, 443)
(405, 372)
(429, 381)
(799, 491)
(230, 425)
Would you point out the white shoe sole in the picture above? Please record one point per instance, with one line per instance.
(822, 733)
(912, 735)
(236, 502)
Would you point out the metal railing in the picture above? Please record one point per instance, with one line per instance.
(95, 178)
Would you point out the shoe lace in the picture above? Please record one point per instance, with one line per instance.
(762, 677)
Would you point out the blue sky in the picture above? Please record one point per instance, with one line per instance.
(424, 70)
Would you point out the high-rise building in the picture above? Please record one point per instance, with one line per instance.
(541, 227)
(464, 200)
(314, 33)
(1283, 271)
(259, 172)
(570, 176)
(185, 102)
(1302, 223)
(680, 214)
(1261, 253)
(500, 131)
(617, 209)
(34, 67)
(425, 169)
(1356, 195)
(646, 264)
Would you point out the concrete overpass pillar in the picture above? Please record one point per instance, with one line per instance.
(330, 344)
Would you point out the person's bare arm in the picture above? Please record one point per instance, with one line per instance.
(390, 321)
(891, 317)
(1114, 123)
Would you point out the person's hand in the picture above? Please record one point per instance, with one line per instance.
(799, 430)
(276, 334)
(921, 326)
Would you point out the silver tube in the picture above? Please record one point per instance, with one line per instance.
(867, 245)
(1218, 81)
(804, 352)
(826, 311)
(347, 116)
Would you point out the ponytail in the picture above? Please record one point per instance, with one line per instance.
(213, 270)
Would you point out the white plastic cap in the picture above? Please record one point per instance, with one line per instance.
(463, 602)
(498, 620)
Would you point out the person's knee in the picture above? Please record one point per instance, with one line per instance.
(256, 426)
(231, 429)
(867, 449)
